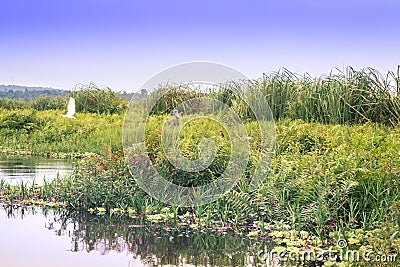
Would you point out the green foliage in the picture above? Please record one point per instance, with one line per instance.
(13, 104)
(347, 176)
(49, 103)
(352, 97)
(98, 181)
(170, 97)
(323, 178)
(24, 120)
(336, 166)
(47, 133)
(189, 140)
(90, 98)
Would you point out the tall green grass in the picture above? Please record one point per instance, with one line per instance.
(47, 133)
(91, 98)
(351, 97)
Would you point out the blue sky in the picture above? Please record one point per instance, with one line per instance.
(122, 43)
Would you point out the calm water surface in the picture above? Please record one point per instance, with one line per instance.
(35, 237)
(15, 169)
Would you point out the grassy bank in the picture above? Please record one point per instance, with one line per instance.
(47, 133)
(324, 177)
(335, 174)
(329, 181)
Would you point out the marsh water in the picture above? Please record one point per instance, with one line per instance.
(36, 237)
(15, 168)
(41, 237)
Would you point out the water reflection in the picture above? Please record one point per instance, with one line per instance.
(15, 168)
(140, 245)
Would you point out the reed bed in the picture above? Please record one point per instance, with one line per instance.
(47, 133)
(352, 97)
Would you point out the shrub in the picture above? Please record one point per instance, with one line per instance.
(27, 121)
(49, 103)
(90, 98)
(170, 97)
(13, 104)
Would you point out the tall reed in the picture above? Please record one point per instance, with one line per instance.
(356, 96)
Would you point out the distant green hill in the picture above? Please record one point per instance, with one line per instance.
(28, 93)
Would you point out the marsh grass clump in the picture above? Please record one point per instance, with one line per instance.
(348, 179)
(188, 142)
(93, 99)
(47, 133)
(353, 97)
(26, 121)
(13, 104)
(98, 181)
(49, 103)
(169, 97)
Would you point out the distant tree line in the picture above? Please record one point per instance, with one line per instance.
(29, 93)
(32, 94)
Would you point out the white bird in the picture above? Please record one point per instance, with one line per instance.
(71, 109)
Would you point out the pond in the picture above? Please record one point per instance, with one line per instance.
(15, 168)
(37, 237)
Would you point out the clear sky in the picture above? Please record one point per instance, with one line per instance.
(122, 43)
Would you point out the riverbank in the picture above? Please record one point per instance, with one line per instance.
(327, 181)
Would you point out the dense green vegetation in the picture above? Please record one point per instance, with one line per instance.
(47, 133)
(91, 98)
(329, 180)
(351, 97)
(323, 177)
(356, 96)
(336, 171)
